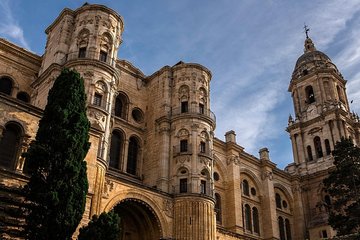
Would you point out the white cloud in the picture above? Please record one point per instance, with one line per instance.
(9, 26)
(252, 112)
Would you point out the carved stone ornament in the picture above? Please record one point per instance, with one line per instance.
(168, 207)
(233, 159)
(108, 187)
(182, 159)
(97, 115)
(267, 174)
(205, 161)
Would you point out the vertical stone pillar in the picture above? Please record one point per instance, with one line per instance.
(98, 188)
(298, 208)
(124, 158)
(2, 130)
(24, 147)
(233, 201)
(268, 206)
(163, 181)
(194, 218)
(294, 148)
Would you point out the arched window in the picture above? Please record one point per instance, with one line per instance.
(309, 153)
(132, 156)
(202, 147)
(218, 208)
(287, 229)
(10, 145)
(248, 218)
(119, 107)
(281, 228)
(116, 149)
(245, 187)
(340, 95)
(318, 149)
(327, 147)
(83, 40)
(23, 96)
(327, 200)
(310, 97)
(6, 85)
(256, 224)
(278, 200)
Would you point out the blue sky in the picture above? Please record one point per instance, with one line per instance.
(250, 46)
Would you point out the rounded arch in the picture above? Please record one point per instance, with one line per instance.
(7, 85)
(107, 39)
(253, 178)
(221, 167)
(121, 105)
(150, 203)
(183, 133)
(10, 144)
(101, 86)
(184, 92)
(286, 193)
(23, 96)
(83, 37)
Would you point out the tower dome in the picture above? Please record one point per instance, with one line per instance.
(311, 61)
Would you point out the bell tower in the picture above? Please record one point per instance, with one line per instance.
(322, 117)
(322, 112)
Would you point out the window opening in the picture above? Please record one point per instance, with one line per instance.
(82, 52)
(183, 185)
(309, 152)
(103, 56)
(203, 187)
(201, 108)
(183, 145)
(184, 107)
(202, 147)
(278, 200)
(6, 85)
(97, 99)
(245, 185)
(317, 144)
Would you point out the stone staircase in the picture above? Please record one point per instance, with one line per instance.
(12, 213)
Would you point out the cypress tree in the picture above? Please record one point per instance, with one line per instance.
(58, 183)
(103, 227)
(343, 185)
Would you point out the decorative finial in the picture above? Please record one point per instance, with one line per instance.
(306, 30)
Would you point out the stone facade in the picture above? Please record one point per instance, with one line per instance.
(154, 157)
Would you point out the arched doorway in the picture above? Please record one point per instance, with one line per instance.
(138, 220)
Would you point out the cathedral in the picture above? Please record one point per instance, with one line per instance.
(154, 158)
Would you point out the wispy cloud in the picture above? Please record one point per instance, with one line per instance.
(9, 28)
(252, 112)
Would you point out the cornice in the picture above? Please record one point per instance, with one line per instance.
(88, 7)
(20, 52)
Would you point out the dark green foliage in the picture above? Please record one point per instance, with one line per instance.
(58, 185)
(343, 185)
(103, 227)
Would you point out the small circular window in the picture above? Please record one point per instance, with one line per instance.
(253, 191)
(183, 171)
(137, 115)
(216, 176)
(284, 203)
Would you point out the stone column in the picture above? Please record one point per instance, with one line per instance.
(268, 205)
(298, 208)
(2, 130)
(295, 149)
(194, 218)
(24, 147)
(163, 181)
(234, 219)
(124, 158)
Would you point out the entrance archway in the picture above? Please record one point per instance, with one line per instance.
(138, 220)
